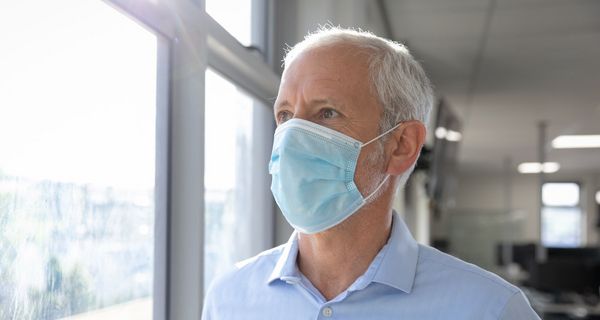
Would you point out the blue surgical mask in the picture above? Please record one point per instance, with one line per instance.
(312, 169)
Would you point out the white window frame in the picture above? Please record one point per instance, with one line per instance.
(190, 41)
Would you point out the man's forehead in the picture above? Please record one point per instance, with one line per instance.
(337, 74)
(318, 88)
(329, 67)
(329, 56)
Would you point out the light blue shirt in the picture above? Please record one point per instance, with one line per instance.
(406, 280)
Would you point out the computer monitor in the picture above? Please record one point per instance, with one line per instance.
(563, 275)
(523, 254)
(580, 254)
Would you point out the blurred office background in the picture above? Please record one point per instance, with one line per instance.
(135, 137)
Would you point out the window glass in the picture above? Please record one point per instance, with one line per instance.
(561, 226)
(235, 16)
(561, 215)
(560, 194)
(227, 176)
(77, 169)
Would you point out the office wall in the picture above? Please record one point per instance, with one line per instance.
(487, 192)
(293, 19)
(347, 13)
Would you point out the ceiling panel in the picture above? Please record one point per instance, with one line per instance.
(539, 60)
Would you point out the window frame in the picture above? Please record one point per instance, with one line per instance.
(190, 41)
(582, 226)
(263, 205)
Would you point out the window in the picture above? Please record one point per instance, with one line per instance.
(562, 217)
(235, 16)
(77, 161)
(231, 144)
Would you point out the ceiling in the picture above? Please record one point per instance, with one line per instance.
(506, 65)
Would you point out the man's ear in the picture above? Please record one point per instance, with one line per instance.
(405, 146)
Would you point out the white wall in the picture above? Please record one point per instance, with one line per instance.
(347, 13)
(295, 18)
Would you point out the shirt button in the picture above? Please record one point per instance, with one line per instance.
(327, 312)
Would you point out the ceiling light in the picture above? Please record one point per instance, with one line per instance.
(453, 135)
(441, 132)
(536, 167)
(450, 135)
(576, 141)
(598, 197)
(550, 167)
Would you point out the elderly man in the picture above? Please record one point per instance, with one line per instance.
(350, 113)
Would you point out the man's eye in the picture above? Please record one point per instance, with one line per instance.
(283, 116)
(329, 113)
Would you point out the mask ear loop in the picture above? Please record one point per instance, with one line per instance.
(377, 189)
(383, 134)
(387, 176)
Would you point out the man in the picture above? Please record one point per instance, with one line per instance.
(350, 112)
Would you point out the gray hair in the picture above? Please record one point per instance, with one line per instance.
(399, 81)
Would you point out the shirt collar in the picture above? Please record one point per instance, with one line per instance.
(285, 268)
(399, 265)
(395, 265)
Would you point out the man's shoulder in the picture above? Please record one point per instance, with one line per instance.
(466, 284)
(241, 283)
(265, 259)
(446, 268)
(256, 269)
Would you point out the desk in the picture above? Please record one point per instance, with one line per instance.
(547, 308)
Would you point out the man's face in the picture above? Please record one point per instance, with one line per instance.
(330, 86)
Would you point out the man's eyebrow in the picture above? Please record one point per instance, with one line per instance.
(312, 103)
(317, 102)
(326, 101)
